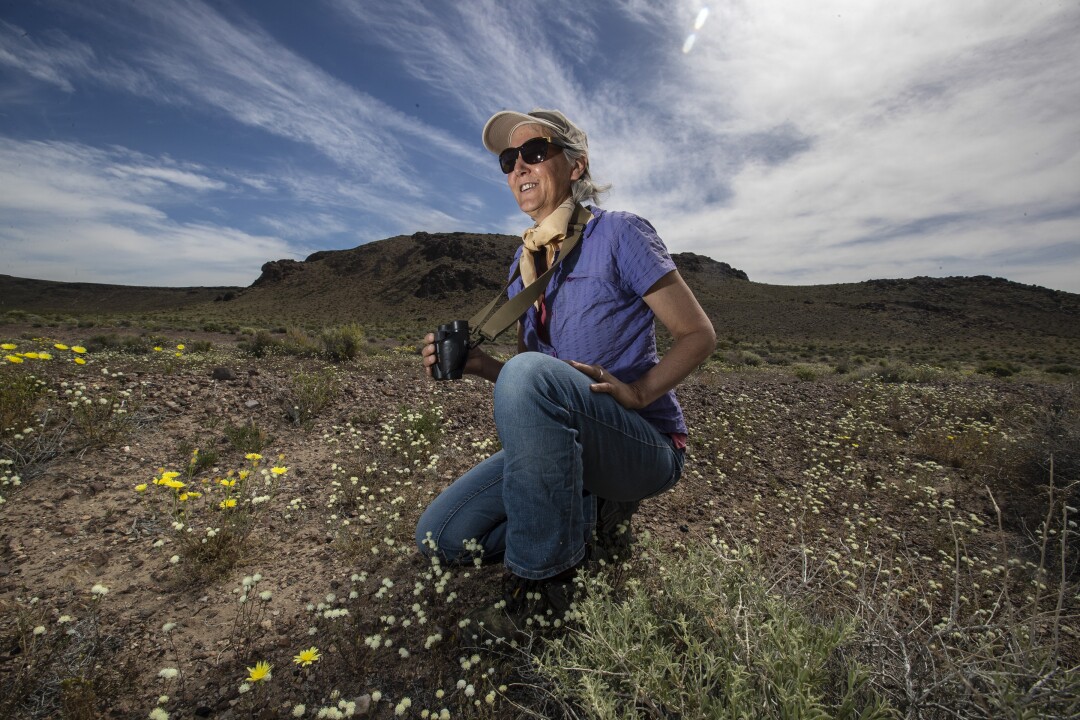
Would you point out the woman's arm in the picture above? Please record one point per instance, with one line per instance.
(675, 306)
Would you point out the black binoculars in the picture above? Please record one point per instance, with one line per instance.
(451, 350)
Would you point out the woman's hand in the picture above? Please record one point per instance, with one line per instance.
(604, 382)
(475, 362)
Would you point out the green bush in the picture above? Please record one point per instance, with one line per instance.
(262, 344)
(19, 394)
(706, 636)
(127, 344)
(299, 343)
(247, 438)
(343, 343)
(308, 393)
(997, 368)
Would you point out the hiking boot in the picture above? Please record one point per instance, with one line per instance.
(527, 607)
(613, 535)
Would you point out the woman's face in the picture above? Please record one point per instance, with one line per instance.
(541, 188)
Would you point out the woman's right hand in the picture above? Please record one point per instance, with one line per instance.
(474, 363)
(427, 353)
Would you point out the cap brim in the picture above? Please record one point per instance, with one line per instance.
(501, 126)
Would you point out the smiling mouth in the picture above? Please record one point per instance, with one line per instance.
(527, 186)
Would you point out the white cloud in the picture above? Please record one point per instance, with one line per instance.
(802, 142)
(47, 59)
(81, 214)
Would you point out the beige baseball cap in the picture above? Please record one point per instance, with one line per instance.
(502, 125)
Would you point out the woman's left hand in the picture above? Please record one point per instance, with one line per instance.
(605, 382)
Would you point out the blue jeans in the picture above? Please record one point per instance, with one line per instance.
(532, 504)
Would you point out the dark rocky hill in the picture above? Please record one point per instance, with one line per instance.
(405, 284)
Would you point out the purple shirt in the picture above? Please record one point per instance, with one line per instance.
(596, 312)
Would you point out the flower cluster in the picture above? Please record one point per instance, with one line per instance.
(17, 358)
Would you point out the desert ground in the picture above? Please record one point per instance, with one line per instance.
(181, 510)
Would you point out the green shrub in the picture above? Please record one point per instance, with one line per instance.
(997, 368)
(706, 636)
(342, 343)
(247, 438)
(19, 394)
(1063, 369)
(308, 393)
(262, 344)
(127, 344)
(804, 372)
(299, 343)
(740, 358)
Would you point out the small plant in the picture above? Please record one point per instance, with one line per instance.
(19, 396)
(804, 372)
(308, 393)
(62, 665)
(198, 460)
(299, 343)
(997, 368)
(105, 419)
(247, 438)
(261, 344)
(343, 343)
(211, 517)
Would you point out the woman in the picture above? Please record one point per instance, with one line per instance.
(585, 411)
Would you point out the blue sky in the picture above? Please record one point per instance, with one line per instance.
(187, 143)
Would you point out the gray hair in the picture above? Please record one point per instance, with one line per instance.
(584, 188)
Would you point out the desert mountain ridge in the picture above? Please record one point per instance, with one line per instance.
(409, 282)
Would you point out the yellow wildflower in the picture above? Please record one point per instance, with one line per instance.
(8, 346)
(194, 494)
(80, 361)
(230, 503)
(306, 657)
(78, 349)
(169, 475)
(157, 348)
(226, 483)
(279, 470)
(61, 346)
(169, 482)
(30, 356)
(44, 356)
(141, 487)
(253, 456)
(183, 497)
(261, 671)
(13, 359)
(243, 474)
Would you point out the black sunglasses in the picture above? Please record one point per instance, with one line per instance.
(532, 152)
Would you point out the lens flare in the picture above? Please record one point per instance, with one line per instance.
(699, 22)
(702, 16)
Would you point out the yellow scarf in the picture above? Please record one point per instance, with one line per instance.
(548, 234)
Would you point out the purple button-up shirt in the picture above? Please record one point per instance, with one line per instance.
(596, 311)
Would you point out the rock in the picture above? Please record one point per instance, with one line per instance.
(223, 373)
(252, 404)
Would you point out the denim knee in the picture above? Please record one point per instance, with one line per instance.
(526, 376)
